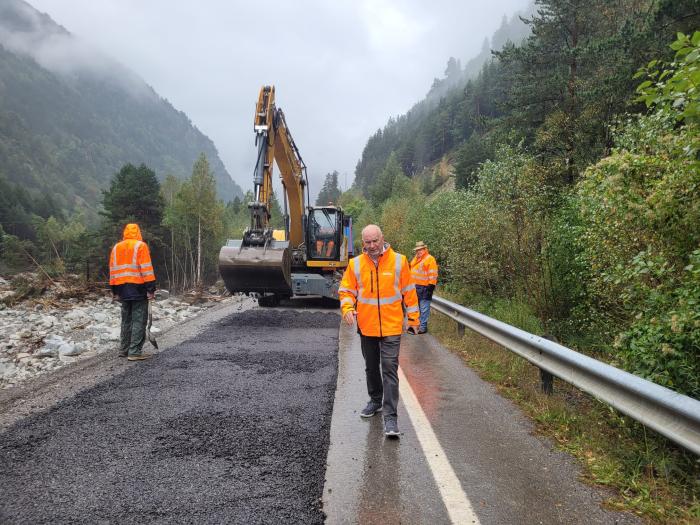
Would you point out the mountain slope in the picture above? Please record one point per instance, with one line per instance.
(70, 118)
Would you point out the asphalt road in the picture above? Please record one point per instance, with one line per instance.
(246, 412)
(230, 426)
(466, 456)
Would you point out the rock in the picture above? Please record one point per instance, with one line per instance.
(47, 321)
(99, 317)
(67, 349)
(76, 314)
(7, 371)
(46, 352)
(53, 341)
(162, 294)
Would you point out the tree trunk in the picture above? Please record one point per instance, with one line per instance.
(199, 252)
(172, 257)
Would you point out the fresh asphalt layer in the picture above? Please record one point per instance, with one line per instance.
(231, 426)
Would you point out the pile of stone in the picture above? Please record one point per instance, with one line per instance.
(38, 337)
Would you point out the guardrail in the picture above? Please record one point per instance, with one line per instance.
(669, 413)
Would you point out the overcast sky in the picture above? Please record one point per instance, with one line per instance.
(341, 68)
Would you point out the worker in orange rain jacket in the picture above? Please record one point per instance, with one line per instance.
(424, 271)
(133, 284)
(375, 289)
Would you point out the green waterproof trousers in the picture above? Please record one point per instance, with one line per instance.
(133, 334)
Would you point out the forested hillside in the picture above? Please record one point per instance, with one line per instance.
(70, 118)
(563, 85)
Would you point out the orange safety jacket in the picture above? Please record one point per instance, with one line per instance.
(378, 293)
(130, 260)
(424, 271)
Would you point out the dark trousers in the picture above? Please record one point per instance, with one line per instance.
(382, 369)
(133, 334)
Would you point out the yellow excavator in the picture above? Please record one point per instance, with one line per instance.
(309, 255)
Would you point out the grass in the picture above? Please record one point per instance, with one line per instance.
(647, 475)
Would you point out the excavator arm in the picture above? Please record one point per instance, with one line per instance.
(274, 141)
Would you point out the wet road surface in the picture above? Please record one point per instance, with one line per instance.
(466, 454)
(231, 426)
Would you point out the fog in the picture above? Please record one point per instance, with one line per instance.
(340, 68)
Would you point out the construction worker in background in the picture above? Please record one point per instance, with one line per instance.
(376, 287)
(424, 271)
(133, 283)
(325, 238)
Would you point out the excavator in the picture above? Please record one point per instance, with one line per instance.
(305, 258)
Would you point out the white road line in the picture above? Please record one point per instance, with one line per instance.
(458, 506)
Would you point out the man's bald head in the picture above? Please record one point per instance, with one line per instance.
(372, 240)
(371, 230)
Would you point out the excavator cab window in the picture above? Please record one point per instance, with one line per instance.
(324, 228)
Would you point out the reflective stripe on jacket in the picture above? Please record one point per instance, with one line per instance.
(379, 293)
(424, 271)
(130, 260)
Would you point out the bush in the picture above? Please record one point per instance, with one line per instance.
(641, 232)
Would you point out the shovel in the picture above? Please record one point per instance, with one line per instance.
(149, 335)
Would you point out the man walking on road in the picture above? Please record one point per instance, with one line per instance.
(376, 287)
(133, 284)
(424, 271)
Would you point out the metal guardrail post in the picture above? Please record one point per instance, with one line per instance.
(547, 381)
(667, 412)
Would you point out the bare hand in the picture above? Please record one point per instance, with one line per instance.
(413, 330)
(150, 295)
(350, 317)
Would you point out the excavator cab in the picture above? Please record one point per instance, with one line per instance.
(324, 234)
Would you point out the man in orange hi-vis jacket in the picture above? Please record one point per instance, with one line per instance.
(424, 271)
(133, 284)
(375, 289)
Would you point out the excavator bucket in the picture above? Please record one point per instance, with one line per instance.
(261, 269)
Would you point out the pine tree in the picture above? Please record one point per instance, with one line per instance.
(134, 196)
(330, 192)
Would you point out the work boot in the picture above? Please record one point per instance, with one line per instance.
(371, 409)
(423, 331)
(139, 357)
(391, 428)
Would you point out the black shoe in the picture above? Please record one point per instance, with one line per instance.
(391, 428)
(371, 409)
(423, 331)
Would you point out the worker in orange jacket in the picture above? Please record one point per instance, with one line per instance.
(424, 272)
(375, 290)
(133, 283)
